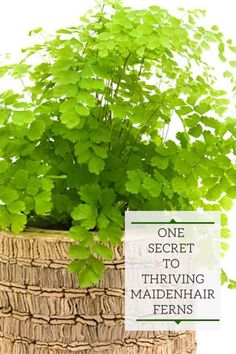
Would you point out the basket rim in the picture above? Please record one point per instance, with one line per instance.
(37, 233)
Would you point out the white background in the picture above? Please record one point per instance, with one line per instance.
(18, 17)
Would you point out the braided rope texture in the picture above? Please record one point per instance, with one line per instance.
(43, 310)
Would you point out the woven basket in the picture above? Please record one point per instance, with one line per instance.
(43, 311)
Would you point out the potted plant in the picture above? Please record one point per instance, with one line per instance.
(92, 133)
